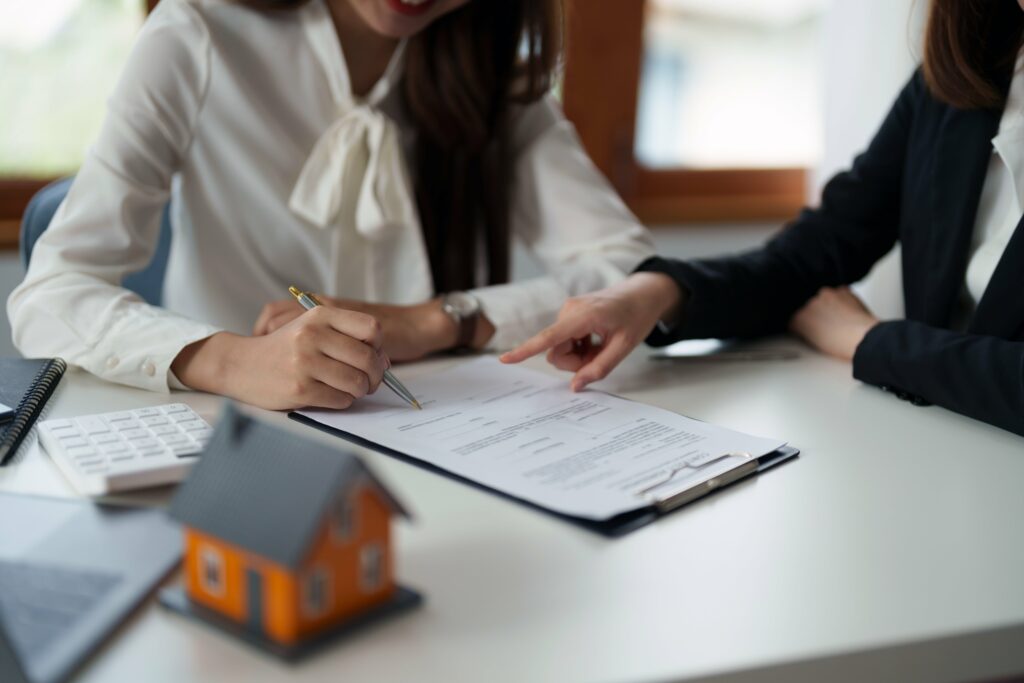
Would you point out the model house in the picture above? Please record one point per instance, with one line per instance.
(284, 536)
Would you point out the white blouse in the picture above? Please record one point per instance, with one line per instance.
(278, 175)
(1000, 207)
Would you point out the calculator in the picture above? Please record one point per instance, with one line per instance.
(126, 450)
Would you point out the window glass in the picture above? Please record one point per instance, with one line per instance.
(60, 59)
(212, 571)
(345, 515)
(316, 593)
(731, 84)
(371, 566)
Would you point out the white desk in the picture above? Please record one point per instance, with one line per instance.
(891, 549)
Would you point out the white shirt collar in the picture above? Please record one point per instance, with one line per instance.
(355, 172)
(1009, 142)
(323, 38)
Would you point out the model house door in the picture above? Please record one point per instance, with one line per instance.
(254, 595)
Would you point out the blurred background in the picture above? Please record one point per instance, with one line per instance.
(715, 119)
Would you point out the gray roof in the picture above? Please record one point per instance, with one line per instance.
(266, 489)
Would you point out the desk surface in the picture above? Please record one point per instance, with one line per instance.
(892, 545)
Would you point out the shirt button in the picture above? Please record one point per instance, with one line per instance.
(112, 362)
(149, 368)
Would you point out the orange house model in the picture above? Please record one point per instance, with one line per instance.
(286, 539)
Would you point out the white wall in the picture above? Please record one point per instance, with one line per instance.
(691, 241)
(870, 48)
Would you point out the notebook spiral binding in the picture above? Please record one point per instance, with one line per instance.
(31, 405)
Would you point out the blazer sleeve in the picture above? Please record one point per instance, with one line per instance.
(975, 375)
(756, 293)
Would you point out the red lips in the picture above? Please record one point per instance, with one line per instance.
(411, 10)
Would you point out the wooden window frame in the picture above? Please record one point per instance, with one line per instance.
(604, 55)
(16, 192)
(602, 83)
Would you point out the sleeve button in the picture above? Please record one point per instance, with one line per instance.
(112, 362)
(149, 368)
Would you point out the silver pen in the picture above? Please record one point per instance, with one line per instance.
(309, 301)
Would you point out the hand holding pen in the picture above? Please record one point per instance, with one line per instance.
(325, 358)
(309, 302)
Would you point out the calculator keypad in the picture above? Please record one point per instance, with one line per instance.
(144, 442)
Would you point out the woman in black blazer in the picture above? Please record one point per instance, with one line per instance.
(920, 183)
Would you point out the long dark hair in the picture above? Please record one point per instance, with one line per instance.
(463, 75)
(970, 50)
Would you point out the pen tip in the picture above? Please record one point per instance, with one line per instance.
(417, 404)
(295, 291)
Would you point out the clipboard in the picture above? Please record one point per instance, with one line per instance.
(663, 498)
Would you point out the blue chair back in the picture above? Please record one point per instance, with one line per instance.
(147, 283)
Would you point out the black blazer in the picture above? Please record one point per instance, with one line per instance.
(919, 182)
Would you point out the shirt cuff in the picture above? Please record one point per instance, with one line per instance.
(142, 355)
(666, 331)
(519, 310)
(174, 383)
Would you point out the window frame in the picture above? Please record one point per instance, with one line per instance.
(343, 526)
(212, 556)
(376, 550)
(15, 194)
(317, 573)
(605, 54)
(17, 191)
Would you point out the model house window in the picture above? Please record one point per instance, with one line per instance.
(371, 566)
(316, 592)
(344, 524)
(211, 571)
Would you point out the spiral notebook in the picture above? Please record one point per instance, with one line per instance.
(25, 386)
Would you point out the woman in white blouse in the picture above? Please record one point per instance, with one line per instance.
(378, 152)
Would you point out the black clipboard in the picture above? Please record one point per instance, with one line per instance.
(613, 527)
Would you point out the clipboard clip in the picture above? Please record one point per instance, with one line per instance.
(747, 464)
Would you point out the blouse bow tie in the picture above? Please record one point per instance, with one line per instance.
(356, 167)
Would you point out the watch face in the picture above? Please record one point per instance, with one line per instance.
(462, 304)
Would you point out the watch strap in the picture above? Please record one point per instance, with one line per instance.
(467, 323)
(467, 330)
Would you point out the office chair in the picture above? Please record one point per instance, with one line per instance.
(147, 283)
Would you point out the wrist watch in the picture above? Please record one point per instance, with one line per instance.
(464, 310)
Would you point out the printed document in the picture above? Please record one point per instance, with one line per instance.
(526, 434)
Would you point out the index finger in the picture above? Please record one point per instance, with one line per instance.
(561, 331)
(606, 360)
